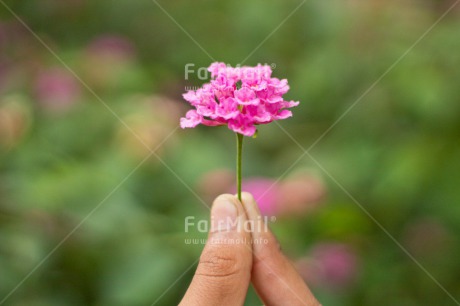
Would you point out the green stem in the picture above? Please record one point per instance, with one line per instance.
(239, 149)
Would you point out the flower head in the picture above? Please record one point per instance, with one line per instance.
(240, 98)
(57, 90)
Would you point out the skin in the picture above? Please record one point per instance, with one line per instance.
(226, 269)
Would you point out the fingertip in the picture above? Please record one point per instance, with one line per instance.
(250, 205)
(225, 197)
(247, 197)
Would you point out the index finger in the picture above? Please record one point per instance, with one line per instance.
(273, 276)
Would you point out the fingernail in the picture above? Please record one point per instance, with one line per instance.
(224, 215)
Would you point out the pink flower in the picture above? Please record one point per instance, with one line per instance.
(57, 90)
(242, 124)
(338, 262)
(246, 96)
(330, 265)
(293, 197)
(300, 194)
(265, 191)
(112, 45)
(239, 98)
(191, 119)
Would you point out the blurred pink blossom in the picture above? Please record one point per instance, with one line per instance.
(57, 89)
(300, 194)
(295, 196)
(329, 265)
(265, 192)
(112, 46)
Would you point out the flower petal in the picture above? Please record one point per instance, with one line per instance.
(284, 114)
(191, 120)
(243, 125)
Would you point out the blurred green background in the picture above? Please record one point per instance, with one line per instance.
(84, 222)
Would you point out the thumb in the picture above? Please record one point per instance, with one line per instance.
(224, 270)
